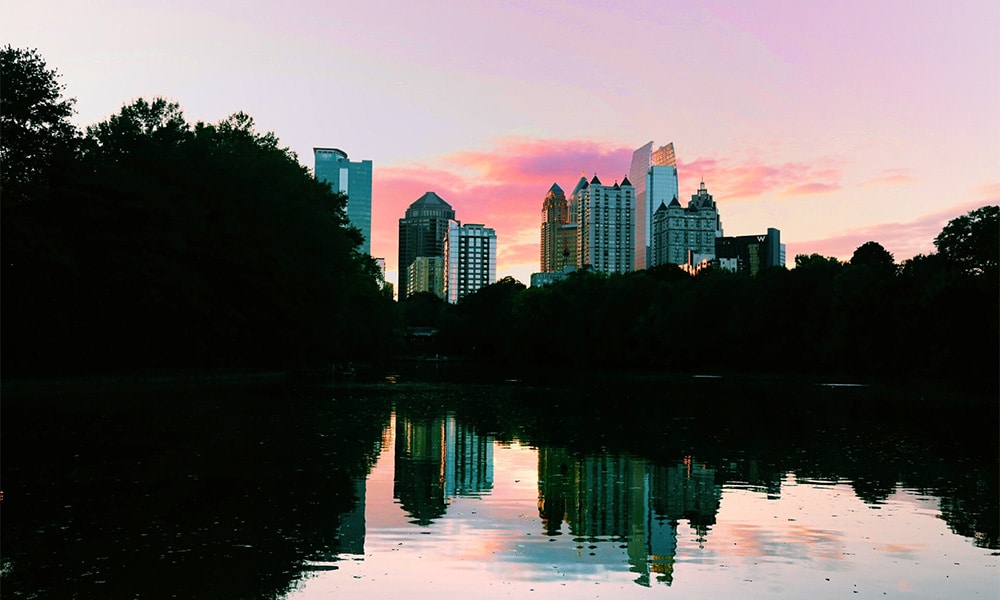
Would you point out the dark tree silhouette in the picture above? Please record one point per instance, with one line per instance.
(972, 241)
(36, 135)
(872, 253)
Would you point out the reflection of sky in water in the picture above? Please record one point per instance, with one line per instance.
(814, 539)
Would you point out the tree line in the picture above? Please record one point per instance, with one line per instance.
(934, 315)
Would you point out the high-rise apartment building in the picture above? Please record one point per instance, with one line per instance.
(421, 233)
(654, 175)
(558, 234)
(685, 236)
(470, 255)
(605, 227)
(354, 179)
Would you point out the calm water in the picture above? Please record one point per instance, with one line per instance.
(609, 489)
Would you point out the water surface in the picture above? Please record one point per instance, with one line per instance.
(610, 489)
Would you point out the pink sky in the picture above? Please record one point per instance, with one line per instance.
(835, 123)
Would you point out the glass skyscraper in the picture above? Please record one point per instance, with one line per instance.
(355, 180)
(654, 176)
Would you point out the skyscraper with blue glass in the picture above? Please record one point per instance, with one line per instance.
(654, 175)
(355, 180)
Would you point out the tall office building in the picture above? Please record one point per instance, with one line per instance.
(558, 234)
(470, 256)
(605, 228)
(421, 233)
(685, 236)
(654, 175)
(355, 180)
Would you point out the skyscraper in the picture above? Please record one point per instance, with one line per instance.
(355, 180)
(654, 173)
(558, 234)
(421, 233)
(605, 228)
(470, 257)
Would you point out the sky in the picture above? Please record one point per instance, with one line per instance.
(836, 123)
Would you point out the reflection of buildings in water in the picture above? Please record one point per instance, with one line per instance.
(438, 459)
(687, 491)
(351, 533)
(468, 460)
(627, 499)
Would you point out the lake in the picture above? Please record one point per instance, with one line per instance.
(596, 487)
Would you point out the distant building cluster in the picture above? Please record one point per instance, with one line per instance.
(438, 254)
(639, 223)
(635, 223)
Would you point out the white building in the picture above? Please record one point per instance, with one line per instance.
(605, 226)
(470, 255)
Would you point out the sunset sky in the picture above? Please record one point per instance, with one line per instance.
(836, 123)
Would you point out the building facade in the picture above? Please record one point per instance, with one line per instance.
(421, 233)
(685, 236)
(470, 259)
(750, 253)
(654, 176)
(353, 179)
(605, 226)
(558, 234)
(426, 274)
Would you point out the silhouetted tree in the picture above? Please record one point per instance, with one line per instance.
(875, 255)
(972, 241)
(179, 246)
(36, 135)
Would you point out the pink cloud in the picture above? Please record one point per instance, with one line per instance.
(806, 189)
(892, 177)
(751, 178)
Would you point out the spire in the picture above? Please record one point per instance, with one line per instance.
(595, 180)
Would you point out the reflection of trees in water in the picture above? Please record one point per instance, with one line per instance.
(419, 478)
(219, 493)
(755, 431)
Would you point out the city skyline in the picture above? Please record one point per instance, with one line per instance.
(836, 124)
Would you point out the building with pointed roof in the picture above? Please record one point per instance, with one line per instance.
(605, 226)
(685, 236)
(558, 233)
(421, 233)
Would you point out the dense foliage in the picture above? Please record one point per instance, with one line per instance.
(167, 245)
(933, 315)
